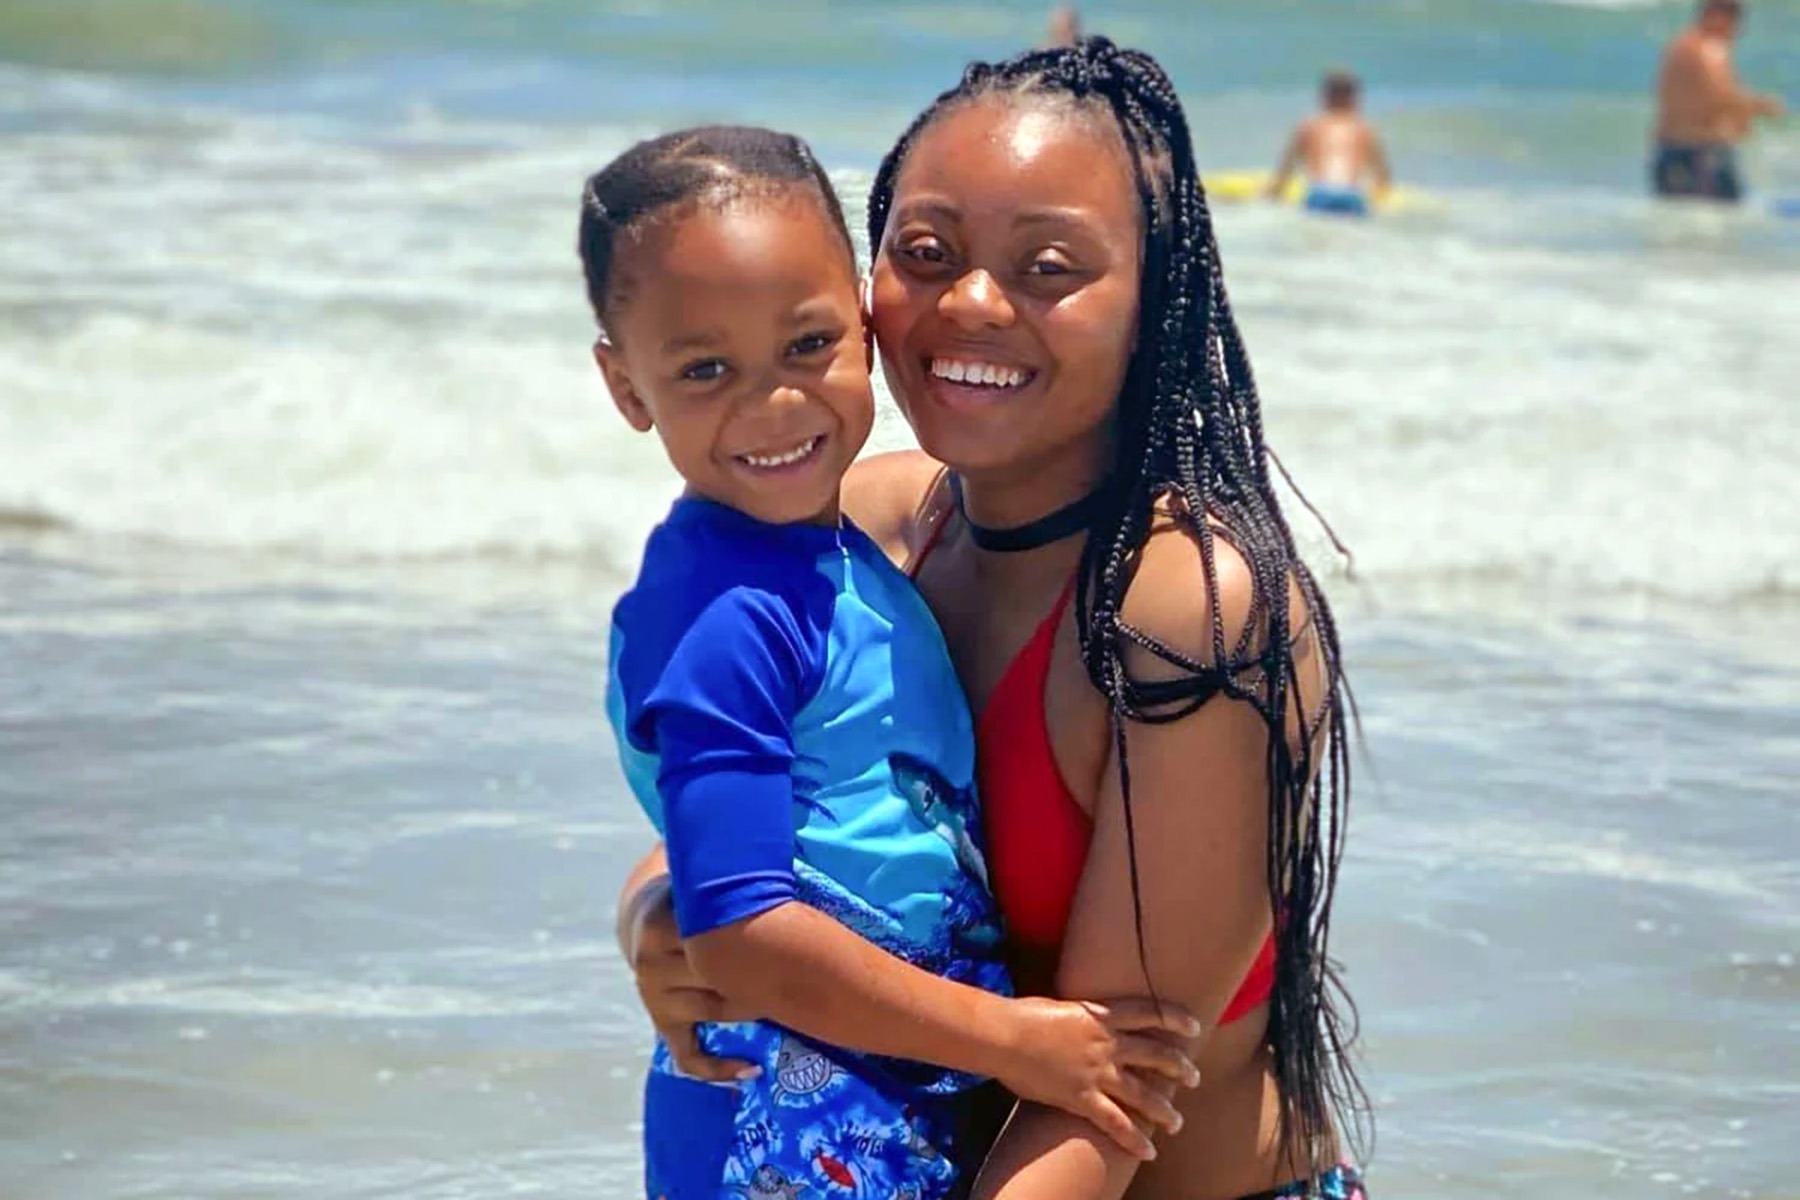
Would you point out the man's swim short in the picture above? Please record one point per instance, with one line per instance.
(1707, 170)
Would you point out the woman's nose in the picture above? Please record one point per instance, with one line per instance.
(976, 300)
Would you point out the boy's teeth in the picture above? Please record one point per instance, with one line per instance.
(785, 458)
(977, 374)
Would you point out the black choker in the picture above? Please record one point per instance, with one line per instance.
(1070, 519)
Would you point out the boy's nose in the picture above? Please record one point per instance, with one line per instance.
(786, 396)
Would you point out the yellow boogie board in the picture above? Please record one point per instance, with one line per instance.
(1238, 187)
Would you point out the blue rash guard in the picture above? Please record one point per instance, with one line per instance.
(788, 716)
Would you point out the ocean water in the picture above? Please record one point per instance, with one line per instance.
(312, 510)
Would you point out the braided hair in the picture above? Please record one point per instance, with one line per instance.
(717, 163)
(1188, 437)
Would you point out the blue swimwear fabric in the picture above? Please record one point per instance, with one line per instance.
(1336, 201)
(1705, 170)
(1342, 1182)
(789, 718)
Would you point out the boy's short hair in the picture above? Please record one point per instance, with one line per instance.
(1730, 8)
(687, 165)
(1340, 88)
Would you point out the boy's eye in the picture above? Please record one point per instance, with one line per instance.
(706, 370)
(811, 343)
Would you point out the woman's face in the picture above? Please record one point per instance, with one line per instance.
(1005, 288)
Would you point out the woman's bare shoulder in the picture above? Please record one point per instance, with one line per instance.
(885, 495)
(1172, 600)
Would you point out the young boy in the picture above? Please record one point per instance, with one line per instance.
(1339, 152)
(788, 716)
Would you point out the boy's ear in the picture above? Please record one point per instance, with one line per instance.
(631, 406)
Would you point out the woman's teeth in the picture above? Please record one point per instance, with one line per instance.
(978, 374)
(786, 458)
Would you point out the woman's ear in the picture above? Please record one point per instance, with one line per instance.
(625, 396)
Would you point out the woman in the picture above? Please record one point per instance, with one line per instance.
(1156, 674)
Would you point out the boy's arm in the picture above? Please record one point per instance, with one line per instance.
(1290, 159)
(819, 978)
(1378, 162)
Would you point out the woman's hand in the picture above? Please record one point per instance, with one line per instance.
(1106, 1063)
(670, 990)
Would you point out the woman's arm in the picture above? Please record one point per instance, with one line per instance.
(645, 887)
(1199, 809)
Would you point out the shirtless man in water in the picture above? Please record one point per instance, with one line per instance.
(1703, 112)
(1338, 150)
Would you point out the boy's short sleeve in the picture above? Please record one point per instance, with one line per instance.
(720, 715)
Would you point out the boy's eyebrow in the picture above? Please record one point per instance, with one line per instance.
(698, 340)
(818, 308)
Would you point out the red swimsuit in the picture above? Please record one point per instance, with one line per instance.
(1037, 835)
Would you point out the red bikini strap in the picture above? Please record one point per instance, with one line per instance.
(1044, 636)
(940, 521)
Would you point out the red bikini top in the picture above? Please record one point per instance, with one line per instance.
(1037, 835)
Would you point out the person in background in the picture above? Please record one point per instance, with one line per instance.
(1065, 26)
(1702, 110)
(1339, 152)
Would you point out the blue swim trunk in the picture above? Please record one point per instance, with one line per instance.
(1336, 201)
(1342, 1182)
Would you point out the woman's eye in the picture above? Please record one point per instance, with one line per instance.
(811, 343)
(925, 251)
(1048, 266)
(705, 371)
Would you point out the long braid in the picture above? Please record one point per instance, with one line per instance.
(1189, 431)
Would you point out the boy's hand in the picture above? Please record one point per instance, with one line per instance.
(672, 994)
(1102, 1062)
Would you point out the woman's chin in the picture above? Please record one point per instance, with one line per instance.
(963, 449)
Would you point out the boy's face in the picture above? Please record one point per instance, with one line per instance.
(1723, 20)
(736, 334)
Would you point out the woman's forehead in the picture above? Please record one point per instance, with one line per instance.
(1012, 154)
